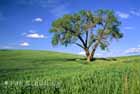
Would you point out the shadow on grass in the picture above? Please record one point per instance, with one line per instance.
(106, 59)
(84, 60)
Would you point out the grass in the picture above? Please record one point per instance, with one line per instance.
(45, 72)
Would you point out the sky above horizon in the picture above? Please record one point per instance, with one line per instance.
(25, 24)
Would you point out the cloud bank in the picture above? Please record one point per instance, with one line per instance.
(132, 51)
(123, 15)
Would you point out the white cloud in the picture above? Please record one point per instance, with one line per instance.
(24, 44)
(123, 15)
(99, 55)
(35, 36)
(135, 12)
(132, 51)
(38, 19)
(82, 53)
(96, 55)
(106, 54)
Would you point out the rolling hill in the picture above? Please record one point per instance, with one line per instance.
(63, 73)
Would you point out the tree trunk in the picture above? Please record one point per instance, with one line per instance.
(87, 54)
(90, 57)
(86, 51)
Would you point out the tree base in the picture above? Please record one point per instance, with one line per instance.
(89, 58)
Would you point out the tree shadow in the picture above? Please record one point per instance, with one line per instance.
(105, 59)
(84, 60)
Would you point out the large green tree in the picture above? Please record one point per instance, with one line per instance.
(88, 30)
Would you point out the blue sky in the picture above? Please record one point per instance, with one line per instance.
(24, 24)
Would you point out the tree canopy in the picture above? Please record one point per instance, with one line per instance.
(92, 29)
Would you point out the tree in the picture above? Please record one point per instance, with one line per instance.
(90, 29)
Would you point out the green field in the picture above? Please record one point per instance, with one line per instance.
(45, 72)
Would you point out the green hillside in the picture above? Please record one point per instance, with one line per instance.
(69, 73)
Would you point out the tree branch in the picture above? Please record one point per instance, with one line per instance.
(98, 40)
(79, 45)
(86, 38)
(81, 39)
(90, 44)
